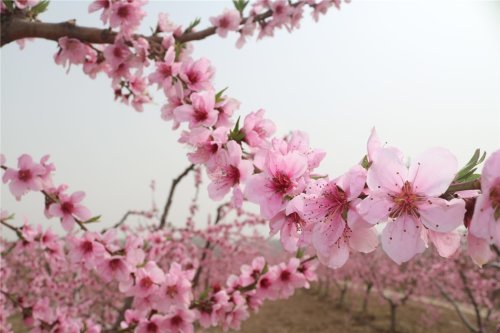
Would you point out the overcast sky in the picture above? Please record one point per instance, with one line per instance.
(425, 73)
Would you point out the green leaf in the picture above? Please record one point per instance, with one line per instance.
(193, 25)
(300, 253)
(265, 269)
(471, 166)
(40, 7)
(365, 163)
(204, 294)
(237, 133)
(240, 5)
(218, 96)
(93, 219)
(9, 4)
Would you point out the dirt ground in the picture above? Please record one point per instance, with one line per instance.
(307, 312)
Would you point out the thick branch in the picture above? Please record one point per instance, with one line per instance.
(15, 28)
(175, 182)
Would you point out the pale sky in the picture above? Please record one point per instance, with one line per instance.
(425, 73)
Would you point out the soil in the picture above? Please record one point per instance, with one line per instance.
(310, 313)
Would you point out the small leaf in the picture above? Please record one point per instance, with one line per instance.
(93, 219)
(9, 4)
(365, 163)
(40, 8)
(300, 253)
(265, 269)
(204, 294)
(218, 96)
(193, 25)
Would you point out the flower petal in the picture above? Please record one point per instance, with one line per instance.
(441, 215)
(375, 207)
(432, 172)
(446, 243)
(387, 172)
(401, 239)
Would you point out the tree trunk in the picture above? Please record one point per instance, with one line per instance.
(364, 310)
(343, 293)
(394, 307)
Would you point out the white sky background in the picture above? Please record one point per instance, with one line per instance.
(424, 73)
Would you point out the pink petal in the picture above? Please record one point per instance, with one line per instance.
(479, 250)
(387, 172)
(364, 240)
(25, 162)
(82, 213)
(325, 235)
(441, 215)
(401, 239)
(375, 207)
(432, 172)
(18, 188)
(77, 196)
(490, 171)
(68, 222)
(337, 256)
(482, 218)
(446, 243)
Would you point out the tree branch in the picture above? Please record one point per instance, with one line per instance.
(15, 27)
(175, 182)
(457, 310)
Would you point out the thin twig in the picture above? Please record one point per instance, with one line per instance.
(170, 197)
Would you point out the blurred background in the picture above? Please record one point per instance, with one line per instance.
(423, 73)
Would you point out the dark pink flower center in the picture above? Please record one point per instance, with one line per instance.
(67, 207)
(115, 264)
(281, 183)
(176, 320)
(117, 52)
(297, 220)
(233, 174)
(171, 291)
(146, 282)
(123, 12)
(87, 247)
(200, 115)
(265, 283)
(152, 327)
(405, 202)
(193, 77)
(224, 22)
(166, 71)
(24, 175)
(285, 276)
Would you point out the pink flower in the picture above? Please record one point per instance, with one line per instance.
(230, 171)
(114, 267)
(201, 112)
(72, 51)
(87, 249)
(207, 144)
(257, 129)
(485, 222)
(288, 278)
(27, 178)
(294, 231)
(281, 177)
(227, 21)
(410, 198)
(68, 208)
(165, 70)
(101, 4)
(148, 280)
(126, 15)
(180, 321)
(153, 325)
(175, 291)
(197, 74)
